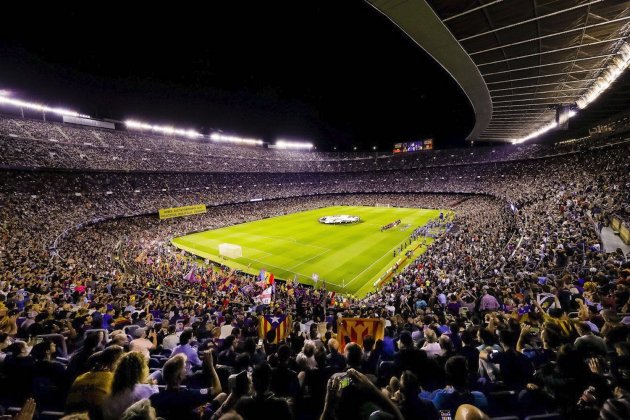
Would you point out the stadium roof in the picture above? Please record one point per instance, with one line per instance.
(528, 56)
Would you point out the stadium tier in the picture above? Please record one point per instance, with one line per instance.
(38, 144)
(504, 273)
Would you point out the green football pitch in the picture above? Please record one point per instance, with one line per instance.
(349, 258)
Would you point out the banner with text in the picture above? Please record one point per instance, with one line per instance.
(182, 211)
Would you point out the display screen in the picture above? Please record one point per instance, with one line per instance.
(413, 146)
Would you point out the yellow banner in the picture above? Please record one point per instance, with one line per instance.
(356, 329)
(182, 211)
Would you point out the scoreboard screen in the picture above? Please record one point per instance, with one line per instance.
(413, 146)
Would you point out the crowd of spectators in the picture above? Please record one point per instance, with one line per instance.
(516, 310)
(39, 144)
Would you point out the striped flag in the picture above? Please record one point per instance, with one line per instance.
(266, 277)
(358, 328)
(280, 323)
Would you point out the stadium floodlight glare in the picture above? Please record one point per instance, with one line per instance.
(234, 139)
(137, 125)
(542, 130)
(39, 107)
(287, 144)
(607, 77)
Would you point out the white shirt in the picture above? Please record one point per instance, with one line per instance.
(115, 405)
(141, 345)
(170, 342)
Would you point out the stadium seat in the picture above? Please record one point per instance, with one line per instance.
(104, 331)
(60, 342)
(129, 329)
(503, 403)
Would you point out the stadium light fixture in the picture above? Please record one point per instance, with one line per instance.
(137, 125)
(287, 144)
(536, 133)
(607, 77)
(5, 99)
(223, 138)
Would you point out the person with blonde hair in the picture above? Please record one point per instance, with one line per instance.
(431, 345)
(128, 386)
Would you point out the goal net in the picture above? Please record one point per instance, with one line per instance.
(230, 251)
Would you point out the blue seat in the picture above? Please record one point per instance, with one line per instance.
(503, 403)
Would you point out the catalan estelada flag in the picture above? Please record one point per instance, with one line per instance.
(358, 328)
(280, 323)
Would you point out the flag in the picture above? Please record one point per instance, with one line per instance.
(269, 278)
(265, 296)
(280, 323)
(191, 276)
(266, 277)
(358, 328)
(224, 283)
(139, 258)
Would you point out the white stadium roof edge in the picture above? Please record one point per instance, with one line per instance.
(517, 61)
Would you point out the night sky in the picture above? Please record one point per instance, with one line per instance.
(336, 73)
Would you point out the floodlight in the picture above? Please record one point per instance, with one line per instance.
(4, 99)
(218, 137)
(169, 130)
(288, 144)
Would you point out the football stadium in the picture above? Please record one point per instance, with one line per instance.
(355, 210)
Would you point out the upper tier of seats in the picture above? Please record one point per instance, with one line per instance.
(39, 144)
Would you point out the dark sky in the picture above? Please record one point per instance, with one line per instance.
(332, 72)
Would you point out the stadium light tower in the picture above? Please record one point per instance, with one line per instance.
(288, 144)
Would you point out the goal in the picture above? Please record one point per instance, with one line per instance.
(230, 251)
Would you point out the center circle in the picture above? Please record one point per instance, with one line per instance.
(341, 219)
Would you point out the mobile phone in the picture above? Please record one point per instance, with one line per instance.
(344, 381)
(534, 330)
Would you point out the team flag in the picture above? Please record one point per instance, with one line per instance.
(280, 323)
(356, 329)
(191, 276)
(265, 296)
(266, 277)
